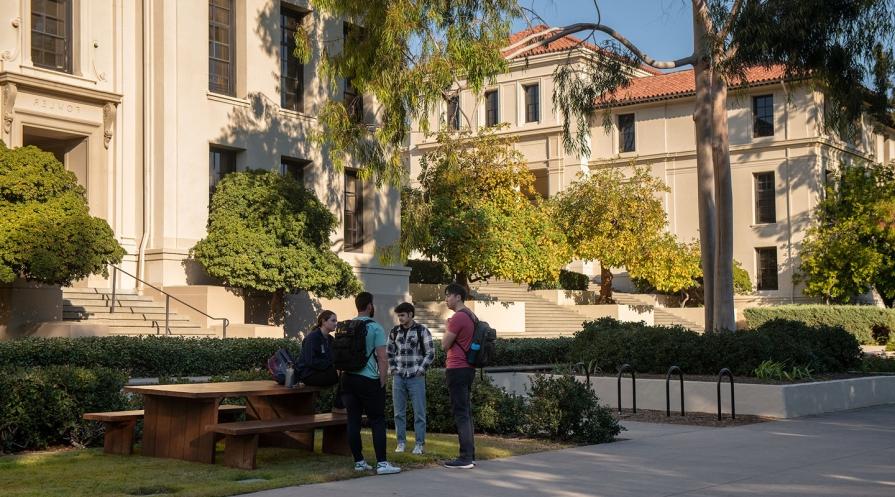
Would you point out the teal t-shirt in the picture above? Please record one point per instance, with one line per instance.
(375, 338)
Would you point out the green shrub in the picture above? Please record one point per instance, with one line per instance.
(563, 408)
(877, 364)
(568, 280)
(858, 320)
(608, 343)
(773, 370)
(430, 272)
(42, 407)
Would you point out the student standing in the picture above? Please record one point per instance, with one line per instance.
(410, 353)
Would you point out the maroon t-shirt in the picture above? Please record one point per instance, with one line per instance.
(459, 324)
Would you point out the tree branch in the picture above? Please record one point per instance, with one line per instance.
(554, 34)
(734, 12)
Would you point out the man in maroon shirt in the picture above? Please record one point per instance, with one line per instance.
(458, 372)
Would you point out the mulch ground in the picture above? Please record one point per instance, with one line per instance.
(691, 418)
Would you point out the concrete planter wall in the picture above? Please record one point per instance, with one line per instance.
(776, 401)
(568, 297)
(505, 317)
(426, 292)
(25, 307)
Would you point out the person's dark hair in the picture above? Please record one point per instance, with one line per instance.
(405, 307)
(362, 300)
(456, 289)
(324, 316)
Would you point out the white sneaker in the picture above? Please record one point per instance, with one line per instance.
(418, 449)
(362, 466)
(400, 447)
(386, 468)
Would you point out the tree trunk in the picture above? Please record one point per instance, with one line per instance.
(277, 304)
(462, 279)
(724, 315)
(605, 285)
(705, 198)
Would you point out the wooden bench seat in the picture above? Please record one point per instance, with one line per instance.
(119, 433)
(241, 437)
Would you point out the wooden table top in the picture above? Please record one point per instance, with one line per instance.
(224, 389)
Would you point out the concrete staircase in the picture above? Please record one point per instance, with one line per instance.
(542, 318)
(134, 314)
(431, 319)
(661, 317)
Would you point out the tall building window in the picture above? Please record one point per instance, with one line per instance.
(763, 115)
(221, 162)
(221, 42)
(453, 112)
(351, 97)
(765, 198)
(292, 71)
(766, 259)
(294, 168)
(532, 103)
(492, 104)
(626, 140)
(51, 34)
(354, 212)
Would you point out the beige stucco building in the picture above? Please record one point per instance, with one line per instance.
(779, 152)
(151, 102)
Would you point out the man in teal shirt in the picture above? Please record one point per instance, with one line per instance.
(363, 391)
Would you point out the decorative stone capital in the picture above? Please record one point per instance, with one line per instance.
(110, 110)
(8, 98)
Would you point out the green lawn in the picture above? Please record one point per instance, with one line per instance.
(90, 473)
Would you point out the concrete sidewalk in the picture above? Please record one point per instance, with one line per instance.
(849, 454)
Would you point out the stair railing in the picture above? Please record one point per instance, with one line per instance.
(168, 297)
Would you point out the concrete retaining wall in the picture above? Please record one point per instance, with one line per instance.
(776, 401)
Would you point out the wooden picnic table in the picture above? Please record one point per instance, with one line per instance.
(177, 416)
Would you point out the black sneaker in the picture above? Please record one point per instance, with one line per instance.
(459, 464)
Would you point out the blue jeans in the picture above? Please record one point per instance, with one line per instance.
(416, 388)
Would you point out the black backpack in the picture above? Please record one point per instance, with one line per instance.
(350, 345)
(483, 347)
(278, 363)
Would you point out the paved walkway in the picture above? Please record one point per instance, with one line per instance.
(850, 454)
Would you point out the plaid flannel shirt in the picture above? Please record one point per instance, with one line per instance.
(404, 355)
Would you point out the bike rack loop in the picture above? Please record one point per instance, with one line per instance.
(621, 371)
(721, 374)
(680, 374)
(586, 367)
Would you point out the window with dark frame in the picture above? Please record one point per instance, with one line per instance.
(352, 99)
(354, 212)
(294, 167)
(453, 112)
(626, 139)
(491, 108)
(51, 34)
(221, 41)
(763, 116)
(765, 198)
(532, 102)
(292, 71)
(221, 162)
(766, 258)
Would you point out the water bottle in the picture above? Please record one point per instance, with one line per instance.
(290, 376)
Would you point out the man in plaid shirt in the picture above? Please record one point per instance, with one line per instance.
(410, 353)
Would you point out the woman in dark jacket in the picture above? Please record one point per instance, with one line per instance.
(315, 366)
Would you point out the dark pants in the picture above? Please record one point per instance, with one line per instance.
(322, 378)
(459, 383)
(363, 395)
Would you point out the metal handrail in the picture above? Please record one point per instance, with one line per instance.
(168, 297)
(621, 371)
(721, 374)
(680, 374)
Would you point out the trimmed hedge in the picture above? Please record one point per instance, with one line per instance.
(870, 325)
(431, 272)
(608, 343)
(42, 407)
(568, 280)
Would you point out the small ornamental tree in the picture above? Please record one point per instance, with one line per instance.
(46, 231)
(476, 210)
(267, 233)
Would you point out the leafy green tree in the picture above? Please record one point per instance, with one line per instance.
(268, 233)
(476, 210)
(46, 231)
(851, 248)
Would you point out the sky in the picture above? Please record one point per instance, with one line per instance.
(663, 29)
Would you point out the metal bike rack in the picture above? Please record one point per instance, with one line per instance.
(680, 374)
(621, 371)
(721, 374)
(586, 368)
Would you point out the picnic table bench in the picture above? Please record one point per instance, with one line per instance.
(241, 437)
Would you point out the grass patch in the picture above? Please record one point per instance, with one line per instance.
(90, 473)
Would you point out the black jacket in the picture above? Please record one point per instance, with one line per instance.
(316, 353)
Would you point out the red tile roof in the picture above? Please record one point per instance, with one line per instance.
(567, 42)
(682, 83)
